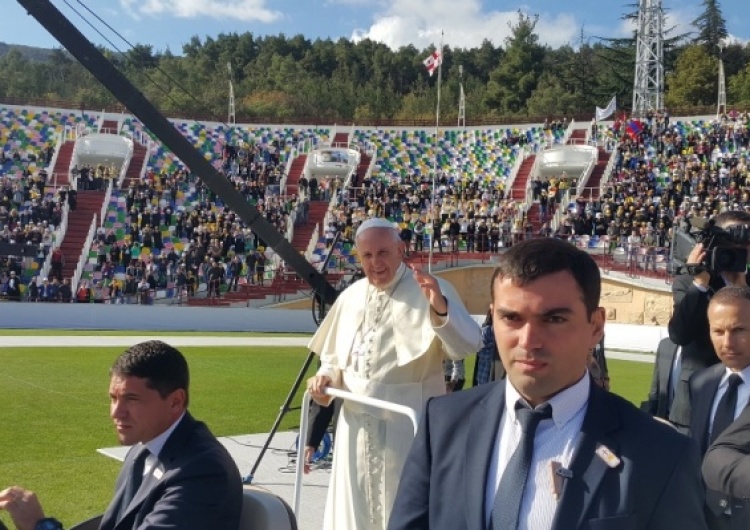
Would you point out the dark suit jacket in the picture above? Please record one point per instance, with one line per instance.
(656, 486)
(688, 327)
(726, 467)
(658, 397)
(200, 487)
(726, 470)
(703, 386)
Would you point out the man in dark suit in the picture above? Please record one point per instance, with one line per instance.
(720, 393)
(593, 460)
(726, 467)
(688, 326)
(176, 475)
(662, 385)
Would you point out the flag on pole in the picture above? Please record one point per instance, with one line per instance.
(603, 114)
(433, 61)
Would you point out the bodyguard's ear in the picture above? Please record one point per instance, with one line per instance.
(598, 318)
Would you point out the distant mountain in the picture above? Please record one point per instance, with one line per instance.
(31, 53)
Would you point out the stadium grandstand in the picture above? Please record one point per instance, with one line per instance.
(95, 209)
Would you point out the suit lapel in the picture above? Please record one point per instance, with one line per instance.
(483, 429)
(109, 519)
(665, 369)
(706, 385)
(588, 469)
(154, 475)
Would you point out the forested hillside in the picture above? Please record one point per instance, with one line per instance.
(286, 78)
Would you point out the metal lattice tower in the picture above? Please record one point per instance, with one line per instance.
(231, 117)
(721, 108)
(648, 86)
(461, 98)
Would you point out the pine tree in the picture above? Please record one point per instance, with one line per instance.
(712, 28)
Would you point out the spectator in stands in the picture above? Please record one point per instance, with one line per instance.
(44, 293)
(33, 295)
(235, 269)
(57, 260)
(215, 279)
(144, 292)
(260, 266)
(83, 293)
(14, 287)
(66, 292)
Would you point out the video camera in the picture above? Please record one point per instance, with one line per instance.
(725, 247)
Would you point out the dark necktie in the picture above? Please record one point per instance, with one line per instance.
(727, 405)
(505, 510)
(134, 480)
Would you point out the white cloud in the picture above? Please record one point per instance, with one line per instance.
(466, 24)
(245, 10)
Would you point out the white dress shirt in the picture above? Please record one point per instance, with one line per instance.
(555, 441)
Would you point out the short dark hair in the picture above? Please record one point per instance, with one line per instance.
(162, 366)
(730, 294)
(529, 260)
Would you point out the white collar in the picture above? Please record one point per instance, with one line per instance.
(565, 404)
(157, 444)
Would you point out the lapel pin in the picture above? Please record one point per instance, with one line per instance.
(158, 473)
(608, 456)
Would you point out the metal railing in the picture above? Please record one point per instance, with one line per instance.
(84, 257)
(340, 394)
(126, 163)
(105, 205)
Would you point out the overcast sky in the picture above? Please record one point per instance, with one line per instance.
(170, 23)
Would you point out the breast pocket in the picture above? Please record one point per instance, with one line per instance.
(619, 522)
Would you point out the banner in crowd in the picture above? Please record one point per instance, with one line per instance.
(606, 112)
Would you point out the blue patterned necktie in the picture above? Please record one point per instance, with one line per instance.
(505, 509)
(727, 405)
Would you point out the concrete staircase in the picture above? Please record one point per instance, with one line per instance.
(518, 191)
(109, 127)
(79, 222)
(592, 191)
(60, 173)
(577, 137)
(295, 172)
(133, 174)
(341, 138)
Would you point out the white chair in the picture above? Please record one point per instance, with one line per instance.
(262, 510)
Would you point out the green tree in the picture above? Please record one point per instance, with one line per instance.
(513, 81)
(712, 28)
(695, 79)
(738, 88)
(550, 98)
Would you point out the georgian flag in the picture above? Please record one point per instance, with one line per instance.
(432, 62)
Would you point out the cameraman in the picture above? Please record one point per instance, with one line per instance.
(688, 326)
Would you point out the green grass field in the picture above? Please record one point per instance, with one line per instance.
(54, 412)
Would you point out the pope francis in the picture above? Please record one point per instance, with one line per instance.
(385, 337)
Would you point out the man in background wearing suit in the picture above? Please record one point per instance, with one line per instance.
(720, 393)
(546, 448)
(726, 467)
(663, 380)
(176, 475)
(688, 326)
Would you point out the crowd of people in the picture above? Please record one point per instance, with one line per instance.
(664, 174)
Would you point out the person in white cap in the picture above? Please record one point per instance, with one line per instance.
(386, 337)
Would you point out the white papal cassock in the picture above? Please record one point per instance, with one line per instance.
(384, 343)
